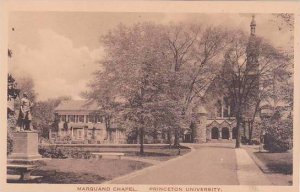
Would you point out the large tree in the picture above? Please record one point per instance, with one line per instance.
(43, 115)
(133, 83)
(249, 65)
(195, 53)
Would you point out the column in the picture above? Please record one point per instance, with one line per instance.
(72, 133)
(230, 134)
(220, 134)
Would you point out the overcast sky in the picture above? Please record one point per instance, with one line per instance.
(60, 50)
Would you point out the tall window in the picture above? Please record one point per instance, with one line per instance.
(63, 118)
(79, 134)
(91, 118)
(71, 118)
(80, 118)
(99, 119)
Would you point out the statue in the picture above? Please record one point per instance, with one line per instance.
(25, 116)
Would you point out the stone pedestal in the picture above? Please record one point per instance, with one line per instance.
(25, 147)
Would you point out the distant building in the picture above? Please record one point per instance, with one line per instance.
(79, 121)
(219, 122)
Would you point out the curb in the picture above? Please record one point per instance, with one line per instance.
(259, 163)
(139, 172)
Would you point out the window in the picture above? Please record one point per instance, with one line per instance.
(91, 118)
(80, 118)
(71, 118)
(99, 119)
(79, 134)
(63, 118)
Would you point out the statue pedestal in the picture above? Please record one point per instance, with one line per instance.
(25, 147)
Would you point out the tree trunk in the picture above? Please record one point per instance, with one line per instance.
(250, 132)
(238, 137)
(142, 141)
(169, 137)
(176, 139)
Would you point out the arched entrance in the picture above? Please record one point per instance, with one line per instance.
(215, 133)
(234, 133)
(225, 133)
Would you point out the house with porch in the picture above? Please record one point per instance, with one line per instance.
(81, 121)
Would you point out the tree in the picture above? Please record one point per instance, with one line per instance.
(26, 84)
(43, 113)
(195, 54)
(133, 84)
(248, 67)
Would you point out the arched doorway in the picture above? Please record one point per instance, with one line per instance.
(234, 133)
(215, 133)
(225, 133)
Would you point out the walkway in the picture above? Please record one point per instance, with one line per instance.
(213, 164)
(248, 172)
(207, 164)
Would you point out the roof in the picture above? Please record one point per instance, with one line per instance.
(77, 105)
(219, 121)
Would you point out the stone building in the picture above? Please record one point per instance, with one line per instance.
(219, 123)
(82, 122)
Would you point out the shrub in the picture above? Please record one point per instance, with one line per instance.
(278, 136)
(255, 141)
(64, 152)
(10, 142)
(51, 153)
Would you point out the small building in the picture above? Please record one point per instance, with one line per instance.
(80, 121)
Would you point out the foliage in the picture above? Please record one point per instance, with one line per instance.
(44, 117)
(247, 73)
(279, 134)
(12, 94)
(10, 142)
(62, 153)
(153, 75)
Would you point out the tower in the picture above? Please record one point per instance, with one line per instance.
(200, 122)
(253, 25)
(252, 65)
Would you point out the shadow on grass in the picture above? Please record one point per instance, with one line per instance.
(54, 177)
(277, 162)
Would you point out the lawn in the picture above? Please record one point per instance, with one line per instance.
(83, 171)
(277, 162)
(160, 154)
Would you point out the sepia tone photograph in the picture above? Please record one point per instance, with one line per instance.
(150, 98)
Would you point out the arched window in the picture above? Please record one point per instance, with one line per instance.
(225, 133)
(215, 133)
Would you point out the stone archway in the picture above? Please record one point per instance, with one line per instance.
(234, 133)
(225, 133)
(214, 133)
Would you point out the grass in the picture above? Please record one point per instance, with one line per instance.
(92, 171)
(160, 154)
(277, 162)
(84, 171)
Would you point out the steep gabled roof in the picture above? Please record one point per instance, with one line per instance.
(77, 105)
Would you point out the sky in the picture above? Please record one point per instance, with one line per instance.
(60, 50)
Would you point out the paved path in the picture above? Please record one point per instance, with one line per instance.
(208, 164)
(248, 172)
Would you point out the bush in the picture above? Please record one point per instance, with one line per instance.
(62, 153)
(279, 135)
(51, 153)
(10, 142)
(255, 141)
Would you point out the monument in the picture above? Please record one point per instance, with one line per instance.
(24, 156)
